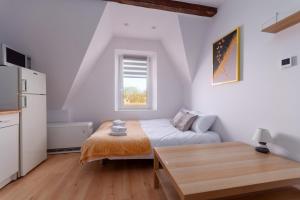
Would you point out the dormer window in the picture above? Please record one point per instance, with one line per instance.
(135, 81)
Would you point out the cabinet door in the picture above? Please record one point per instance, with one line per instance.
(9, 151)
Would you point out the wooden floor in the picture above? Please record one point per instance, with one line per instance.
(61, 177)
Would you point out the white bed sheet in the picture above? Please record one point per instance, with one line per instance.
(162, 133)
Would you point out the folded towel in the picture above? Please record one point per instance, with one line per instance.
(118, 129)
(119, 123)
(118, 134)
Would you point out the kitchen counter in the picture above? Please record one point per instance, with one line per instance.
(8, 112)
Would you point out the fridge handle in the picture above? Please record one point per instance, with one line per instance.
(24, 85)
(24, 102)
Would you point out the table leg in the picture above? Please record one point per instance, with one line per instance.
(155, 168)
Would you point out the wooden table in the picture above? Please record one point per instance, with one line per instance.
(213, 171)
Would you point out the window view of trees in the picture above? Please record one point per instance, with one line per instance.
(135, 75)
(133, 96)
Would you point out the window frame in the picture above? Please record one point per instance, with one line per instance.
(151, 81)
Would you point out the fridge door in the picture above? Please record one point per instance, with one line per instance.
(33, 132)
(32, 82)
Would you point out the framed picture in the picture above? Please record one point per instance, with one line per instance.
(226, 58)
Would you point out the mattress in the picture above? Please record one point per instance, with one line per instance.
(162, 133)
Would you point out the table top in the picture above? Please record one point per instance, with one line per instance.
(218, 170)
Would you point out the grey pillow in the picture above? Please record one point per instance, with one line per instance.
(177, 118)
(186, 122)
(203, 123)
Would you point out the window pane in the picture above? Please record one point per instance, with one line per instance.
(135, 90)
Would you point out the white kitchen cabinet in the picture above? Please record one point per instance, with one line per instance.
(9, 148)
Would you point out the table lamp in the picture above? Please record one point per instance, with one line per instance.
(262, 137)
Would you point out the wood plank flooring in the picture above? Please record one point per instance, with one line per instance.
(62, 178)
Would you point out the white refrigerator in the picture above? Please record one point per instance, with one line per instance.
(33, 120)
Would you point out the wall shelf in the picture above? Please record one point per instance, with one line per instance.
(282, 24)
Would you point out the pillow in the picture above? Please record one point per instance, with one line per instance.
(203, 123)
(186, 121)
(177, 117)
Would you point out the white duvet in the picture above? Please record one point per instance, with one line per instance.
(162, 133)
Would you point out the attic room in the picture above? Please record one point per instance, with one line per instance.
(148, 99)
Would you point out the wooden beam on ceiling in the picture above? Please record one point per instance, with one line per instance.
(173, 6)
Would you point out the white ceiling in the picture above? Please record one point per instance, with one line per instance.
(214, 3)
(138, 22)
(119, 20)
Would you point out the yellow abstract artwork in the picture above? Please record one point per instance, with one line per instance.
(226, 58)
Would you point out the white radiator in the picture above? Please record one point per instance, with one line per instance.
(68, 137)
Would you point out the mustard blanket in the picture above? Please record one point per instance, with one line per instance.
(101, 145)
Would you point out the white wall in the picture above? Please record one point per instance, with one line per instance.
(94, 101)
(267, 96)
(56, 33)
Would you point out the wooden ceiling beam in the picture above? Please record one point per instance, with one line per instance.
(173, 6)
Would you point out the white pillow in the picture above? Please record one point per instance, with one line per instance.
(203, 123)
(178, 117)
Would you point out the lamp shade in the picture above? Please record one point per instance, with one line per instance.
(262, 135)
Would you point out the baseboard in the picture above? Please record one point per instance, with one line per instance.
(64, 150)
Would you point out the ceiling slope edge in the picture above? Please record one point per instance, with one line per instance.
(194, 32)
(174, 46)
(98, 43)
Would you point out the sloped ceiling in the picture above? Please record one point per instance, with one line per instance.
(65, 38)
(143, 23)
(181, 36)
(55, 33)
(100, 40)
(194, 31)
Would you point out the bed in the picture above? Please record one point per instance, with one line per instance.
(159, 132)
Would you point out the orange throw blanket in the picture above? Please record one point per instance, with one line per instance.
(102, 145)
